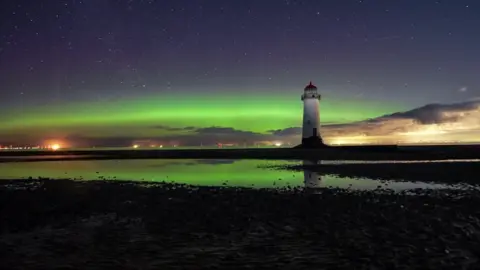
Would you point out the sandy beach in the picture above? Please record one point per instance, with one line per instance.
(98, 225)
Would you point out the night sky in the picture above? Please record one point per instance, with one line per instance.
(105, 72)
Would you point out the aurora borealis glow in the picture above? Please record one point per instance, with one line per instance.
(145, 118)
(113, 72)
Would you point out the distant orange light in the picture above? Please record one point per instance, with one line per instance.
(55, 146)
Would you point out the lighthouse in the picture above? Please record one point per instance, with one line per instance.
(311, 137)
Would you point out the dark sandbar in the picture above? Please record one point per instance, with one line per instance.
(328, 153)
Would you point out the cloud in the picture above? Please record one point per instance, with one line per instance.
(168, 128)
(213, 130)
(436, 121)
(463, 89)
(291, 131)
(223, 131)
(438, 113)
(215, 134)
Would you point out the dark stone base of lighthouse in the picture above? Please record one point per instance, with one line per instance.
(312, 142)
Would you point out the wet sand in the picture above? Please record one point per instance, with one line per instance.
(47, 224)
(329, 153)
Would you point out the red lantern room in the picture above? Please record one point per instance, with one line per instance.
(310, 86)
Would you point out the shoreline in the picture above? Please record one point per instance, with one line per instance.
(329, 153)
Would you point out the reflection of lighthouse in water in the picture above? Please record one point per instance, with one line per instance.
(312, 179)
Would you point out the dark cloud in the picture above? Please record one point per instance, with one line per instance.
(291, 131)
(224, 131)
(438, 113)
(214, 130)
(168, 128)
(215, 134)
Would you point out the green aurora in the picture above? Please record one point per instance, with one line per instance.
(140, 117)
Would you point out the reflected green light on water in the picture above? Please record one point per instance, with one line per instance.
(237, 173)
(242, 173)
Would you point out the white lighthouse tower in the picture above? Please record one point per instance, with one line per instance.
(311, 117)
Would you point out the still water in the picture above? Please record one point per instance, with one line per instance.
(238, 173)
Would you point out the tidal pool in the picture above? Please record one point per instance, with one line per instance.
(235, 173)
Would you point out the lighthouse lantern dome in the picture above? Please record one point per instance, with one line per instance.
(310, 86)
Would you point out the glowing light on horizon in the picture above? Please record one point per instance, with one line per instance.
(348, 140)
(55, 146)
(423, 132)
